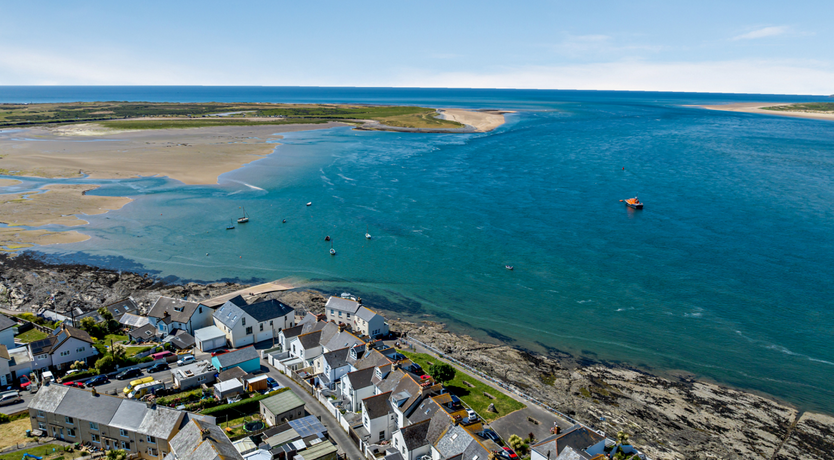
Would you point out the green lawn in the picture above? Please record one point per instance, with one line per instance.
(45, 451)
(472, 396)
(31, 335)
(132, 351)
(115, 338)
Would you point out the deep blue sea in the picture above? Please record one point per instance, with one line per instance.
(726, 273)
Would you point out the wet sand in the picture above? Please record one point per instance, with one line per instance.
(756, 107)
(482, 121)
(9, 182)
(58, 204)
(13, 239)
(192, 155)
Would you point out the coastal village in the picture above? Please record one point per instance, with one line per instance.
(257, 379)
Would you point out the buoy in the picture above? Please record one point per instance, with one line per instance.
(206, 254)
(623, 168)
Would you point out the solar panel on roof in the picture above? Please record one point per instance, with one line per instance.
(307, 426)
(37, 347)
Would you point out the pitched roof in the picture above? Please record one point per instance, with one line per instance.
(406, 393)
(282, 402)
(578, 438)
(4, 353)
(229, 314)
(83, 405)
(365, 313)
(59, 337)
(178, 310)
(145, 332)
(6, 322)
(319, 450)
(342, 340)
(361, 378)
(377, 406)
(133, 320)
(241, 355)
(328, 331)
(198, 440)
(229, 374)
(119, 308)
(237, 300)
(309, 340)
(291, 332)
(391, 381)
(453, 442)
(48, 397)
(372, 359)
(425, 411)
(340, 304)
(337, 358)
(267, 310)
(181, 339)
(414, 435)
(438, 425)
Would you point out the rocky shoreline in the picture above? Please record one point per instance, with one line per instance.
(680, 418)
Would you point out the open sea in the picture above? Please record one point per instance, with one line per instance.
(726, 273)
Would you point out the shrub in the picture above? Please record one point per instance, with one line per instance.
(4, 418)
(516, 443)
(105, 364)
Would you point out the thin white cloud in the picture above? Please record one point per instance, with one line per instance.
(763, 33)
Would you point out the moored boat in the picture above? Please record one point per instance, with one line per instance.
(244, 219)
(634, 203)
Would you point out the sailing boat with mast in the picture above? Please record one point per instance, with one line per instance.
(332, 251)
(367, 235)
(231, 225)
(245, 218)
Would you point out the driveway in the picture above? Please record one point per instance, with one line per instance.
(313, 406)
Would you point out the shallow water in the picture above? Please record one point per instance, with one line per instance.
(725, 273)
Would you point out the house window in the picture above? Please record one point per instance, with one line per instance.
(200, 310)
(202, 378)
(151, 439)
(396, 444)
(94, 426)
(270, 322)
(65, 353)
(382, 435)
(80, 349)
(40, 413)
(152, 451)
(249, 330)
(126, 445)
(262, 327)
(71, 432)
(95, 438)
(69, 420)
(122, 433)
(243, 321)
(42, 426)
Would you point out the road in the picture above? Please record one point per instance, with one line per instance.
(313, 406)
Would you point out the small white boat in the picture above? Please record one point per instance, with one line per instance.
(309, 203)
(368, 235)
(245, 218)
(508, 267)
(332, 251)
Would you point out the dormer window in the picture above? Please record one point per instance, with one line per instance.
(178, 309)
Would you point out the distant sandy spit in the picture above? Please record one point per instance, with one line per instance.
(14, 239)
(756, 107)
(57, 204)
(482, 121)
(9, 182)
(192, 155)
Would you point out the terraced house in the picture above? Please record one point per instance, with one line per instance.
(76, 415)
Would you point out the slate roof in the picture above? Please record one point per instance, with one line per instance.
(438, 425)
(578, 438)
(178, 310)
(291, 332)
(6, 322)
(341, 340)
(377, 406)
(365, 313)
(414, 435)
(453, 442)
(241, 355)
(361, 378)
(48, 397)
(229, 314)
(340, 304)
(336, 359)
(229, 374)
(372, 358)
(282, 402)
(144, 333)
(408, 390)
(474, 449)
(268, 309)
(391, 381)
(425, 411)
(119, 308)
(309, 340)
(84, 406)
(203, 441)
(181, 340)
(328, 331)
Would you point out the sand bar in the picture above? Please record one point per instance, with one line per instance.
(191, 155)
(9, 182)
(482, 121)
(756, 107)
(58, 204)
(13, 239)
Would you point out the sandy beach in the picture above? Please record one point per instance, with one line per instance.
(14, 239)
(192, 156)
(756, 107)
(9, 182)
(482, 121)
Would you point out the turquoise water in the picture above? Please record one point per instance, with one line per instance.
(726, 273)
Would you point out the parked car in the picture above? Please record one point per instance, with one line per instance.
(97, 380)
(128, 374)
(271, 382)
(72, 371)
(186, 359)
(24, 382)
(10, 397)
(74, 384)
(489, 434)
(219, 352)
(161, 355)
(158, 367)
(508, 453)
(472, 415)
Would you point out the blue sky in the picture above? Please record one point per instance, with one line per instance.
(735, 46)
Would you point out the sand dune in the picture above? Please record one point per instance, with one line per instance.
(482, 121)
(756, 107)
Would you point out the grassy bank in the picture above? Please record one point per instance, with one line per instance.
(180, 123)
(811, 107)
(471, 390)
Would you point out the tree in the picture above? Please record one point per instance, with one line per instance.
(105, 364)
(78, 365)
(116, 454)
(91, 327)
(105, 313)
(119, 352)
(442, 372)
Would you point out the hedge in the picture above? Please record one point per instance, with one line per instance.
(236, 409)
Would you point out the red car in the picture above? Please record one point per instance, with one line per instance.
(219, 352)
(24, 382)
(510, 454)
(74, 384)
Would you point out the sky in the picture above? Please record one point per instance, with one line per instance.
(709, 46)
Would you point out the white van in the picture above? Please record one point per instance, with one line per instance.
(47, 377)
(145, 388)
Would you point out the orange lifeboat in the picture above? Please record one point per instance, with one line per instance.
(634, 203)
